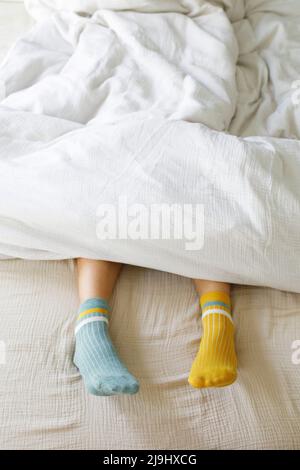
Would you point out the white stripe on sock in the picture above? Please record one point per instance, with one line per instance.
(89, 320)
(217, 310)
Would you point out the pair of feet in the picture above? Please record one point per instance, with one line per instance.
(104, 374)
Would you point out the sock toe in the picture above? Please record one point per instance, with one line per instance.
(208, 379)
(95, 389)
(227, 379)
(196, 382)
(121, 384)
(132, 387)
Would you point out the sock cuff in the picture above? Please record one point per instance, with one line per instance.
(92, 310)
(94, 303)
(216, 303)
(215, 299)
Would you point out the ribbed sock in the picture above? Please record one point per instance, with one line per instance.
(95, 356)
(215, 364)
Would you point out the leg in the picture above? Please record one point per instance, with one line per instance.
(96, 278)
(216, 363)
(95, 355)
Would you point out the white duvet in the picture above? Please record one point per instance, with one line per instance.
(139, 100)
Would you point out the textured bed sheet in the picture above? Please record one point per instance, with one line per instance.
(156, 329)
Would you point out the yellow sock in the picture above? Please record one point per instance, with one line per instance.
(216, 363)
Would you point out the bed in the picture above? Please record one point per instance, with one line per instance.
(156, 328)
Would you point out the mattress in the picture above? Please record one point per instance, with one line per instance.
(155, 326)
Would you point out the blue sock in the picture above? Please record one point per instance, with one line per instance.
(95, 356)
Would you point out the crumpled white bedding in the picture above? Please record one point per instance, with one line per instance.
(142, 100)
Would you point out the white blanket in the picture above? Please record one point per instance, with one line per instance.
(155, 326)
(138, 101)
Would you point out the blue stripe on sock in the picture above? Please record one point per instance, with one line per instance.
(217, 302)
